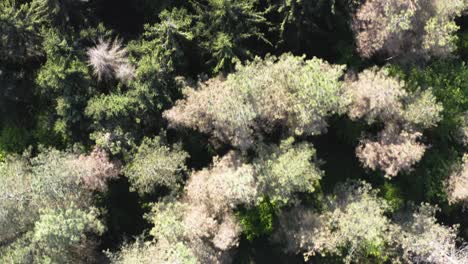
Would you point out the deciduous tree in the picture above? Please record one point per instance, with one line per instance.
(392, 152)
(156, 164)
(416, 29)
(353, 225)
(287, 92)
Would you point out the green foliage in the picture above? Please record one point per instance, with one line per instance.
(45, 210)
(156, 164)
(355, 201)
(463, 45)
(428, 179)
(57, 231)
(259, 220)
(44, 135)
(301, 23)
(167, 39)
(20, 24)
(223, 27)
(56, 237)
(392, 195)
(448, 81)
(352, 225)
(13, 138)
(167, 221)
(287, 170)
(64, 82)
(110, 107)
(115, 141)
(423, 110)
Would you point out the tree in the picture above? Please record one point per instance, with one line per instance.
(286, 170)
(202, 224)
(132, 108)
(64, 82)
(156, 164)
(422, 110)
(224, 28)
(95, 169)
(16, 178)
(46, 205)
(168, 39)
(421, 239)
(109, 60)
(227, 184)
(446, 78)
(378, 96)
(392, 152)
(57, 231)
(375, 96)
(21, 25)
(463, 130)
(457, 185)
(196, 229)
(407, 30)
(21, 51)
(353, 225)
(286, 92)
(147, 253)
(313, 27)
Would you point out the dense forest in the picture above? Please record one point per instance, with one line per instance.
(233, 131)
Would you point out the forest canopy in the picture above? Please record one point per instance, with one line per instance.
(233, 131)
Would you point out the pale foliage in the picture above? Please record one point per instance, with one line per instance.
(392, 152)
(53, 180)
(203, 221)
(218, 109)
(287, 92)
(15, 180)
(353, 218)
(462, 135)
(458, 255)
(422, 240)
(375, 95)
(286, 170)
(407, 28)
(226, 184)
(207, 235)
(109, 60)
(141, 252)
(46, 208)
(155, 164)
(95, 169)
(228, 233)
(295, 225)
(457, 188)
